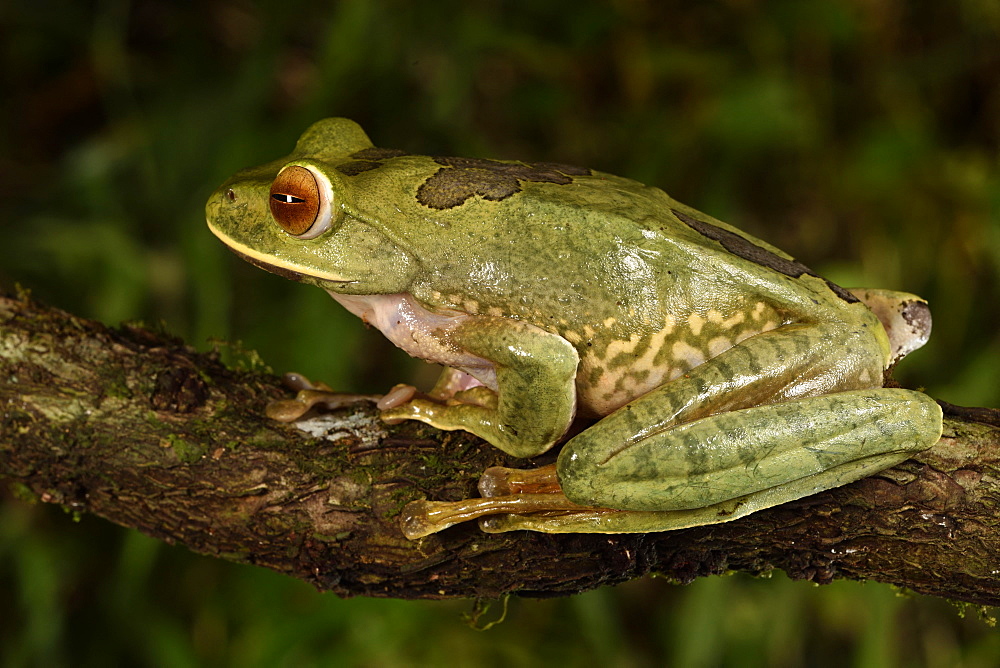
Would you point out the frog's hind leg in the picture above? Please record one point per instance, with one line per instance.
(585, 519)
(729, 465)
(712, 470)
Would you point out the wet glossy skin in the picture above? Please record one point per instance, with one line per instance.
(728, 376)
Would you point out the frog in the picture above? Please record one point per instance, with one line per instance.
(713, 374)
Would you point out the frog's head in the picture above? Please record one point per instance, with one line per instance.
(294, 217)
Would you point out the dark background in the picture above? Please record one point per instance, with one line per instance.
(860, 136)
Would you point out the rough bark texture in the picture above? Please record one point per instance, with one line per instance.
(136, 427)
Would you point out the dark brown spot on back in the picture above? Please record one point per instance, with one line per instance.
(376, 153)
(368, 159)
(569, 170)
(748, 250)
(356, 167)
(462, 178)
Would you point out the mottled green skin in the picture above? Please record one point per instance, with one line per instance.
(600, 247)
(586, 291)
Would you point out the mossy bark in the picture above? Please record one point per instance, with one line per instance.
(136, 427)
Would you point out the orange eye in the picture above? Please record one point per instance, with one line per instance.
(298, 202)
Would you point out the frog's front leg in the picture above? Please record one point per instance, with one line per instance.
(535, 400)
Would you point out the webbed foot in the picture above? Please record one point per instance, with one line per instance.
(506, 492)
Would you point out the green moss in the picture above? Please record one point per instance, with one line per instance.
(118, 389)
(186, 451)
(22, 492)
(238, 356)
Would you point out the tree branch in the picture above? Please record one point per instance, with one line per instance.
(136, 427)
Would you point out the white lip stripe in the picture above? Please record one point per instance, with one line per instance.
(272, 261)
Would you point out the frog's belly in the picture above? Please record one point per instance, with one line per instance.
(418, 332)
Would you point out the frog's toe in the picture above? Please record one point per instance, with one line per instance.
(478, 396)
(298, 382)
(409, 404)
(502, 481)
(415, 522)
(399, 411)
(286, 410)
(422, 517)
(290, 410)
(404, 402)
(397, 396)
(501, 523)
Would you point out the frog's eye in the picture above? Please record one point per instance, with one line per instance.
(301, 202)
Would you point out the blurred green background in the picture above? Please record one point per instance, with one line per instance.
(861, 136)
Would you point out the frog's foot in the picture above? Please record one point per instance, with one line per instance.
(531, 499)
(453, 388)
(310, 395)
(502, 481)
(505, 491)
(552, 512)
(422, 518)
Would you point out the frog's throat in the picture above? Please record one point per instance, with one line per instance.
(265, 262)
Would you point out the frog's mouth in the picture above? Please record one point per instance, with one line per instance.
(284, 272)
(262, 262)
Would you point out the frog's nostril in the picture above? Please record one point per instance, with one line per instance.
(231, 195)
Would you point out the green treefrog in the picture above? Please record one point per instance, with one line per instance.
(720, 375)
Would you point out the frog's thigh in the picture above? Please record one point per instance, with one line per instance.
(757, 450)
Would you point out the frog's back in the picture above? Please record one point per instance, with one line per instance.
(541, 238)
(636, 238)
